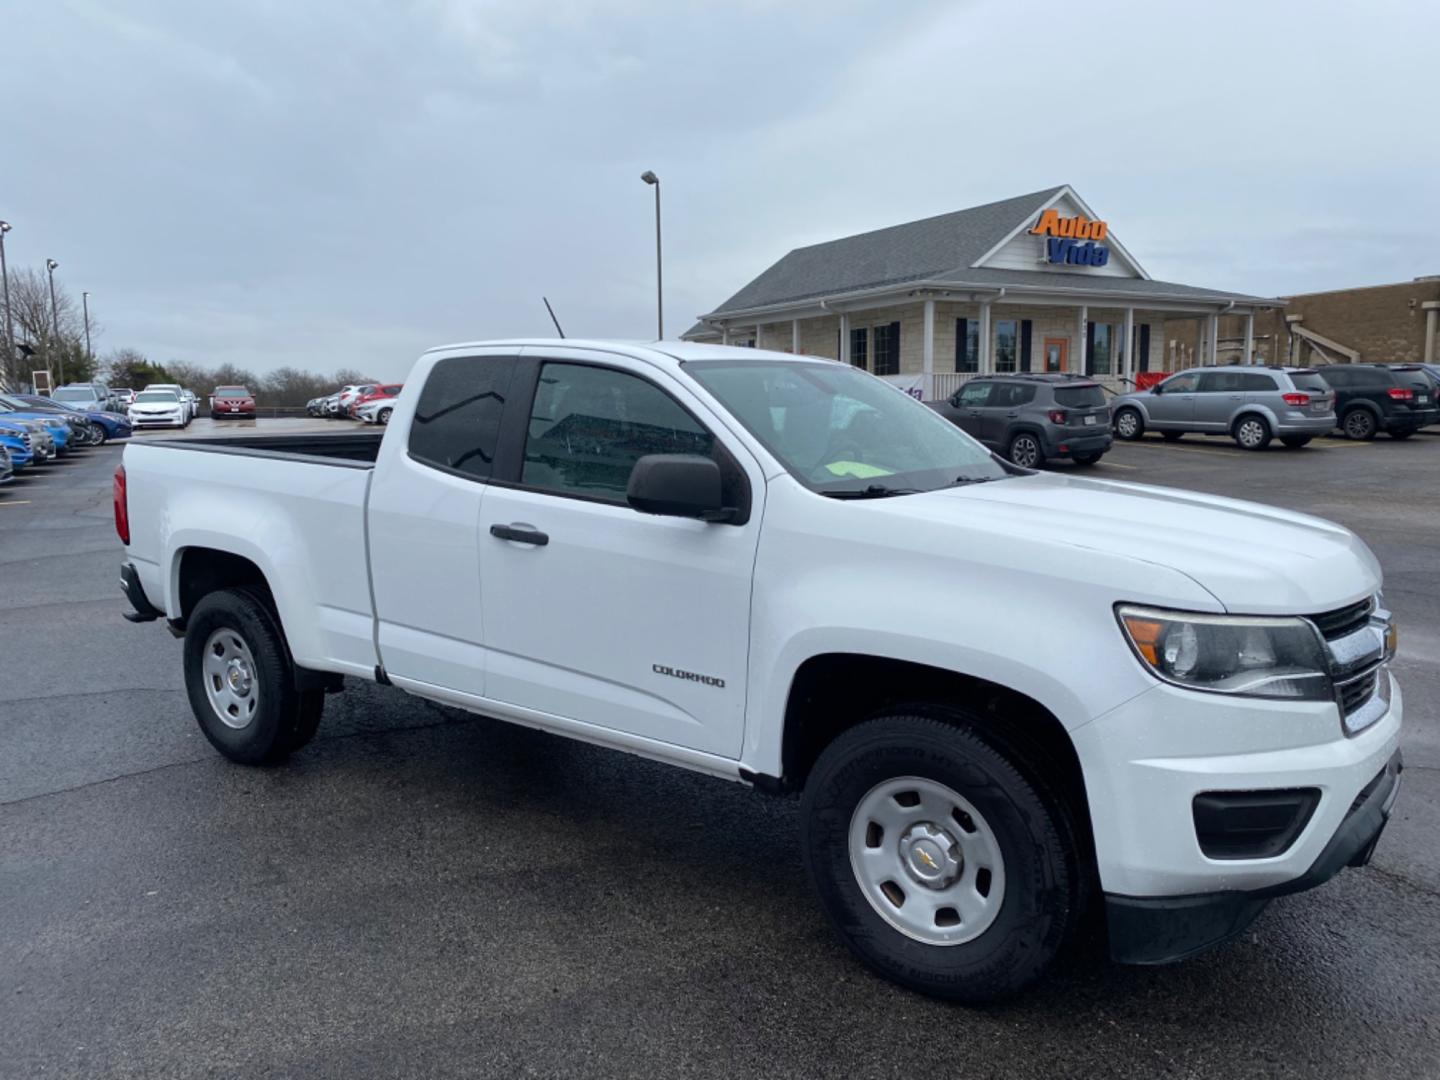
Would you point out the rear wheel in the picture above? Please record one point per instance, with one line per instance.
(241, 682)
(937, 862)
(1129, 424)
(1359, 424)
(1402, 434)
(1295, 441)
(1251, 433)
(1025, 450)
(1171, 436)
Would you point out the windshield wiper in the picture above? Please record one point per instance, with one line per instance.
(974, 480)
(874, 491)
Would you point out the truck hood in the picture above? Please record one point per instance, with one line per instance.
(1252, 558)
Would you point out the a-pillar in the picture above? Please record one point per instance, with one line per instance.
(927, 356)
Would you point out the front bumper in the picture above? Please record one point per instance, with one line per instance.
(1158, 930)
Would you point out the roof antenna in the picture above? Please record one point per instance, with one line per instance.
(553, 318)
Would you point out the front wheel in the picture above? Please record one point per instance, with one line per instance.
(1128, 424)
(383, 416)
(937, 862)
(1252, 433)
(1025, 450)
(241, 682)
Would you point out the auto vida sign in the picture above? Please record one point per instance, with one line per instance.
(1074, 241)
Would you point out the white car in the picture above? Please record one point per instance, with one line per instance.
(179, 392)
(1003, 694)
(378, 411)
(158, 408)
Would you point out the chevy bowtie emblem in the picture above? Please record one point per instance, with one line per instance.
(926, 859)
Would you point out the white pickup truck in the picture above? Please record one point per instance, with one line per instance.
(1003, 695)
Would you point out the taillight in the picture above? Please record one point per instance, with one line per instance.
(1296, 399)
(122, 506)
(1057, 416)
(1399, 393)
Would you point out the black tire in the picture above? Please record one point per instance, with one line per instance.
(1359, 424)
(101, 435)
(1403, 434)
(1172, 436)
(1043, 875)
(1087, 459)
(285, 719)
(1294, 442)
(1129, 424)
(383, 416)
(1026, 450)
(1251, 432)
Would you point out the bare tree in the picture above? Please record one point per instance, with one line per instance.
(34, 325)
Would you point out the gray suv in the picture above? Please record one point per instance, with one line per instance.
(1252, 405)
(1029, 418)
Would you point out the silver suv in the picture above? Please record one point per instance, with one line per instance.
(1250, 404)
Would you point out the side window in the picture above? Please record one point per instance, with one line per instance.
(1182, 384)
(1257, 383)
(974, 395)
(1011, 395)
(589, 426)
(1336, 377)
(1218, 382)
(457, 420)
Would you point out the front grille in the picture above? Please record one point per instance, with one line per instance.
(1346, 620)
(1357, 693)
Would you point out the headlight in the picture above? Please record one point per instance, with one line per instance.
(1231, 654)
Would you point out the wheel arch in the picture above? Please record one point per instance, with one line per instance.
(1259, 411)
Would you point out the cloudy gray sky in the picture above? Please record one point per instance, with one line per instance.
(332, 183)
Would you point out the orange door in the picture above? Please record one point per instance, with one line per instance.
(1056, 354)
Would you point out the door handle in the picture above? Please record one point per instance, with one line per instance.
(521, 534)
(1011, 415)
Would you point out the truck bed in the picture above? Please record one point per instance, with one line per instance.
(352, 449)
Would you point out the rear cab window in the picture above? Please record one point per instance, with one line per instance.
(457, 420)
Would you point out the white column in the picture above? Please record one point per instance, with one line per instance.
(1128, 373)
(1249, 357)
(1214, 357)
(725, 334)
(795, 336)
(757, 336)
(982, 339)
(844, 338)
(927, 356)
(1081, 339)
(1432, 318)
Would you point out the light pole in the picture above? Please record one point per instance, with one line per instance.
(9, 330)
(85, 300)
(51, 266)
(654, 181)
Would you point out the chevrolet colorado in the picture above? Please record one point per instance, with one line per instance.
(1003, 695)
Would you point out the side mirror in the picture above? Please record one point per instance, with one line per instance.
(677, 485)
(1157, 388)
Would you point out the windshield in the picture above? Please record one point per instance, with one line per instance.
(156, 397)
(74, 393)
(840, 431)
(232, 391)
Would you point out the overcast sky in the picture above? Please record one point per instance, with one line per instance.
(330, 183)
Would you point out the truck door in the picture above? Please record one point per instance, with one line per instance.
(422, 517)
(594, 611)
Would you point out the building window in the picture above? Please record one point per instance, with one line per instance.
(1006, 344)
(967, 345)
(1102, 347)
(858, 341)
(887, 349)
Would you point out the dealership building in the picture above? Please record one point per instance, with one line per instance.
(1039, 282)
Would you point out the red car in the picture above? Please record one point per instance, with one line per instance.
(375, 393)
(232, 402)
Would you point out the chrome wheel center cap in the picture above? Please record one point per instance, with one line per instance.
(931, 856)
(237, 674)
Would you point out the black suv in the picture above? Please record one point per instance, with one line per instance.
(1399, 400)
(1029, 418)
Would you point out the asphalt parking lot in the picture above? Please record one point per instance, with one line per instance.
(424, 892)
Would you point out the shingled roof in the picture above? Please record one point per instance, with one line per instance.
(940, 251)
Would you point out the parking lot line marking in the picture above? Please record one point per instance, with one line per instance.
(1117, 465)
(16, 502)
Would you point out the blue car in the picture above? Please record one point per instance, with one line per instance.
(7, 470)
(58, 427)
(17, 442)
(109, 425)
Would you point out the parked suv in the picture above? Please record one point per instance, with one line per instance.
(1373, 397)
(1031, 418)
(1250, 404)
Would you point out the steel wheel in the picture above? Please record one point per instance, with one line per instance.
(927, 861)
(1127, 424)
(230, 679)
(1025, 451)
(1251, 433)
